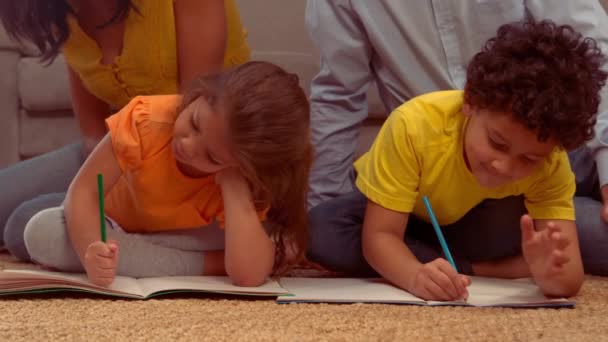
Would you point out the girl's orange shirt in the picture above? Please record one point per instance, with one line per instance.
(152, 194)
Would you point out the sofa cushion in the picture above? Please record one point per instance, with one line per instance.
(6, 43)
(302, 64)
(43, 90)
(367, 135)
(9, 128)
(38, 135)
(284, 40)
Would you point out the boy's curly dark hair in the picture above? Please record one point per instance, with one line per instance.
(548, 76)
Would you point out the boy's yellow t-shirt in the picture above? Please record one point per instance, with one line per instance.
(152, 194)
(419, 151)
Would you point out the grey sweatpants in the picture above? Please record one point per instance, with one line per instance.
(140, 255)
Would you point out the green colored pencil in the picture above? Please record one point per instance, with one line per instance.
(102, 218)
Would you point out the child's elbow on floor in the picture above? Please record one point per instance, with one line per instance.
(247, 280)
(575, 286)
(569, 288)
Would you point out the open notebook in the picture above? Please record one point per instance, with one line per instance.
(25, 281)
(482, 292)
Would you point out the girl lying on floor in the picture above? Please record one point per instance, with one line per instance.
(232, 153)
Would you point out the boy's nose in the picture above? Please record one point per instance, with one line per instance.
(503, 167)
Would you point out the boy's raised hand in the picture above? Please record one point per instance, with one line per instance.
(100, 262)
(438, 280)
(544, 251)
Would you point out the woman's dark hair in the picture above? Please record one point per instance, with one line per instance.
(44, 22)
(548, 76)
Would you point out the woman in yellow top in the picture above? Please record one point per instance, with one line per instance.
(115, 50)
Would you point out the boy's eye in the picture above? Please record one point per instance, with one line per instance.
(529, 160)
(495, 144)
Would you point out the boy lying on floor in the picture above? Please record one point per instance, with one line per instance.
(531, 94)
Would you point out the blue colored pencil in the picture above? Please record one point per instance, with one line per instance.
(444, 245)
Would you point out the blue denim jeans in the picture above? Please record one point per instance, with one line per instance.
(592, 230)
(31, 186)
(487, 232)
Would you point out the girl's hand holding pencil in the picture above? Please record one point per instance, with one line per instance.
(101, 257)
(100, 262)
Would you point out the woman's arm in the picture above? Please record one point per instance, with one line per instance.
(202, 32)
(249, 253)
(89, 111)
(82, 201)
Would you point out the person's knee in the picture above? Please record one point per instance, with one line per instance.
(335, 235)
(585, 172)
(512, 206)
(592, 235)
(318, 216)
(320, 229)
(501, 214)
(336, 216)
(15, 225)
(46, 239)
(13, 231)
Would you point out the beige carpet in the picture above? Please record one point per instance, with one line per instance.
(62, 317)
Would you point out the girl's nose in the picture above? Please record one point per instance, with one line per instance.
(187, 146)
